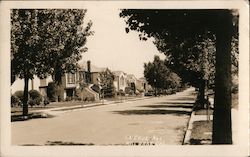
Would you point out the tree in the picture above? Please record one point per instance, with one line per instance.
(46, 42)
(159, 76)
(190, 27)
(52, 91)
(63, 38)
(106, 83)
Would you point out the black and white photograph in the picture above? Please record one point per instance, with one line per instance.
(126, 78)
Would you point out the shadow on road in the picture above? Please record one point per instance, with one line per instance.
(52, 143)
(168, 106)
(183, 98)
(19, 118)
(152, 112)
(176, 103)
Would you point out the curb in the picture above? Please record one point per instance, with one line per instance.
(187, 135)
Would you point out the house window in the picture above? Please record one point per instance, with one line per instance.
(122, 81)
(71, 78)
(43, 82)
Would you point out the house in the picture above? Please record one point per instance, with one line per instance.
(44, 84)
(131, 83)
(142, 85)
(87, 82)
(120, 80)
(70, 86)
(80, 84)
(34, 84)
(103, 79)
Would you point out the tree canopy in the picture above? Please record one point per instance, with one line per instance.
(178, 31)
(46, 42)
(180, 35)
(159, 76)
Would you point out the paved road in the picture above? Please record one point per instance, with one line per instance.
(160, 120)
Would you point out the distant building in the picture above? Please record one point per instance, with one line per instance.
(131, 83)
(70, 86)
(142, 85)
(87, 83)
(120, 80)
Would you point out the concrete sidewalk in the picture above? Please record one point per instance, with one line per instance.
(195, 117)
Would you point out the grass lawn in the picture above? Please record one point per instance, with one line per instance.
(201, 133)
(17, 111)
(234, 105)
(204, 112)
(202, 130)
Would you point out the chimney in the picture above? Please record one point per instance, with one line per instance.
(88, 72)
(88, 66)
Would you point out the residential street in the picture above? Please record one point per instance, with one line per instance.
(160, 120)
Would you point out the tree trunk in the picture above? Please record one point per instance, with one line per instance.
(222, 129)
(202, 92)
(25, 96)
(155, 91)
(200, 101)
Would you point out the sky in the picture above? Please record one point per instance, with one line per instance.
(112, 47)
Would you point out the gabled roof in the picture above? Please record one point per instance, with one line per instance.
(83, 67)
(142, 79)
(99, 70)
(118, 73)
(131, 77)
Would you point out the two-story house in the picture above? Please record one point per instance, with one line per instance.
(87, 81)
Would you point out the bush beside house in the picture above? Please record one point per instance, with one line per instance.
(15, 101)
(51, 91)
(35, 98)
(19, 95)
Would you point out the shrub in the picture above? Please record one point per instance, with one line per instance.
(127, 90)
(31, 102)
(121, 92)
(68, 98)
(131, 92)
(92, 99)
(51, 91)
(85, 99)
(45, 101)
(19, 95)
(36, 96)
(76, 98)
(15, 101)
